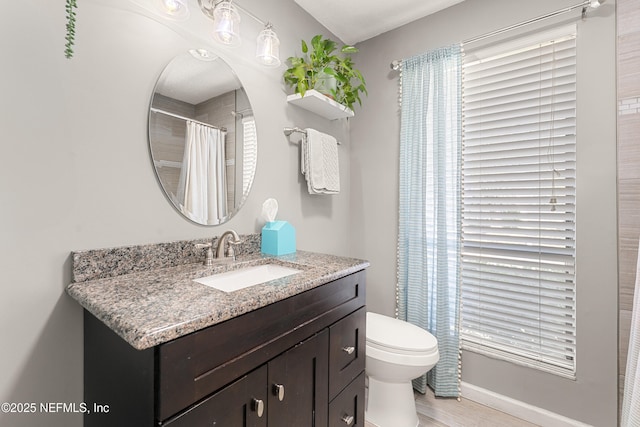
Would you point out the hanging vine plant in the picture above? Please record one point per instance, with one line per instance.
(71, 28)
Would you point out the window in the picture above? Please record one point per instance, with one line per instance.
(518, 202)
(249, 153)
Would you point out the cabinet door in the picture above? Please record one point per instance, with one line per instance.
(347, 342)
(298, 385)
(241, 404)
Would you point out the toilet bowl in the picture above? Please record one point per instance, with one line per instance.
(396, 353)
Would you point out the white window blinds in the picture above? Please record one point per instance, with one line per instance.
(249, 153)
(518, 226)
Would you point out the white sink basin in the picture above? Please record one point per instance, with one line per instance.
(249, 276)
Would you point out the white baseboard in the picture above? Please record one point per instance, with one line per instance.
(519, 409)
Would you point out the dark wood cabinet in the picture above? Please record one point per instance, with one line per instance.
(297, 362)
(298, 384)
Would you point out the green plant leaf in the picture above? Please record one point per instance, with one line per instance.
(349, 49)
(315, 41)
(341, 77)
(305, 48)
(299, 72)
(329, 46)
(302, 87)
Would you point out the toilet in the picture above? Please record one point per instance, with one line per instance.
(396, 353)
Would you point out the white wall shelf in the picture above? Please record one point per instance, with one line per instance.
(319, 104)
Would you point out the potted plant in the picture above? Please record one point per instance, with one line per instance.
(322, 69)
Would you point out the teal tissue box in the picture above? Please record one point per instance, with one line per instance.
(278, 238)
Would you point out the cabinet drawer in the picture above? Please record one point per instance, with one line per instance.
(347, 409)
(241, 404)
(346, 351)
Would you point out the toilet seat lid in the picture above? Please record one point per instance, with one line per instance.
(384, 331)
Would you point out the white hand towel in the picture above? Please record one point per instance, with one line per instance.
(320, 163)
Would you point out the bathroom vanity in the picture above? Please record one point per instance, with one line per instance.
(163, 350)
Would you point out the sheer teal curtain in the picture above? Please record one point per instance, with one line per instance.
(429, 233)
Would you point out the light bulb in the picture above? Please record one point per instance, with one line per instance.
(174, 9)
(172, 6)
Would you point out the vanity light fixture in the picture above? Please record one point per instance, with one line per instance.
(174, 9)
(268, 47)
(226, 23)
(226, 29)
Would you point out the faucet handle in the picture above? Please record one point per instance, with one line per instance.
(231, 252)
(208, 261)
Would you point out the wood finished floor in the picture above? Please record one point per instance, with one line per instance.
(466, 413)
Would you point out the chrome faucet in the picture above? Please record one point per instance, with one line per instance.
(220, 252)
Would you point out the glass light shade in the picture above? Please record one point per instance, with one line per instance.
(174, 9)
(226, 24)
(268, 50)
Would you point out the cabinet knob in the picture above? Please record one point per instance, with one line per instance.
(349, 350)
(258, 406)
(348, 419)
(278, 390)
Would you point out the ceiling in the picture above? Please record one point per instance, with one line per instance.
(188, 79)
(354, 21)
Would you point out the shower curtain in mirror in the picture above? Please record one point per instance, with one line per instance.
(429, 217)
(202, 188)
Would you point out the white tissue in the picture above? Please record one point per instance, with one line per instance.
(269, 210)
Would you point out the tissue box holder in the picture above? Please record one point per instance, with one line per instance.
(278, 238)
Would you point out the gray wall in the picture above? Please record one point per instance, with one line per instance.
(374, 170)
(76, 172)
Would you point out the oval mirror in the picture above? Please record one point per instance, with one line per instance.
(202, 138)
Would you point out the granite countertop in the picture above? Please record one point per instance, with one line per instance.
(147, 308)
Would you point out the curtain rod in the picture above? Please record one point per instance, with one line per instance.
(166, 113)
(395, 65)
(241, 113)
